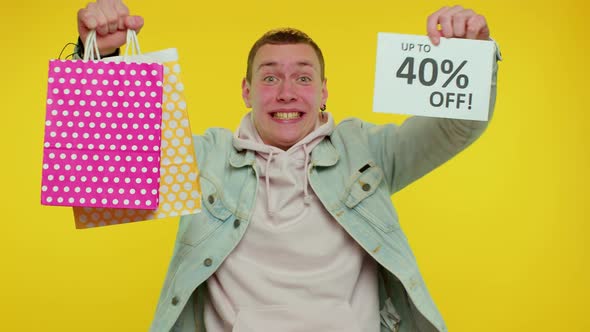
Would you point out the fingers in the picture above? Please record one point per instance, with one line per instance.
(432, 25)
(104, 16)
(446, 21)
(477, 28)
(110, 19)
(456, 22)
(86, 20)
(459, 22)
(122, 13)
(134, 23)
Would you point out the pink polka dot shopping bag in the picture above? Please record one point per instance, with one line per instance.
(103, 132)
(179, 184)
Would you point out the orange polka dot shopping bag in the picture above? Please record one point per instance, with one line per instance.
(179, 192)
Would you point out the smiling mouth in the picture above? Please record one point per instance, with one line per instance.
(286, 115)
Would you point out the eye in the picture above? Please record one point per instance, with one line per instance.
(269, 79)
(304, 79)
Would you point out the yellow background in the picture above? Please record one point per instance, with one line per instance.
(499, 232)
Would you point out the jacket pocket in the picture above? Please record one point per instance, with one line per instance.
(366, 195)
(212, 215)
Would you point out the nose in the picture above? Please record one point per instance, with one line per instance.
(286, 92)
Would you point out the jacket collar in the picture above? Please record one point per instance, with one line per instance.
(241, 158)
(324, 154)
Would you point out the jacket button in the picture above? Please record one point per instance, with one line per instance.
(208, 262)
(211, 199)
(366, 187)
(237, 223)
(175, 300)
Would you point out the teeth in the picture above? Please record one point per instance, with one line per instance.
(286, 115)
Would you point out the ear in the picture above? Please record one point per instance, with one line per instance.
(246, 93)
(325, 91)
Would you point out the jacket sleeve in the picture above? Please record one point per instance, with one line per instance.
(421, 144)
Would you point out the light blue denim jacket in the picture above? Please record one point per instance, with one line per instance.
(354, 172)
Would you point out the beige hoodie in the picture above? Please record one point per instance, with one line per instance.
(295, 269)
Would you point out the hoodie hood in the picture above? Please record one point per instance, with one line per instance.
(285, 172)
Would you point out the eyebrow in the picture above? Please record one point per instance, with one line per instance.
(274, 63)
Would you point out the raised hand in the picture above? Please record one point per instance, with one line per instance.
(110, 19)
(456, 22)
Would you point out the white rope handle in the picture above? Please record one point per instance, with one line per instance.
(91, 49)
(132, 44)
(91, 46)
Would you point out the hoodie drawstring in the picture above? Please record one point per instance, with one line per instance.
(306, 196)
(247, 138)
(271, 212)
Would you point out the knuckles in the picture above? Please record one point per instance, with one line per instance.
(446, 16)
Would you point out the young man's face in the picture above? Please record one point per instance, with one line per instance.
(286, 93)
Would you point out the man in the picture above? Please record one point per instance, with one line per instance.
(297, 231)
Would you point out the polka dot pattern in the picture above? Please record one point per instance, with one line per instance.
(102, 134)
(179, 192)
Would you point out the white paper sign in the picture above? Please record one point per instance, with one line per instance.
(451, 80)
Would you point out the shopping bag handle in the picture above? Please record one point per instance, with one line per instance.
(91, 47)
(131, 46)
